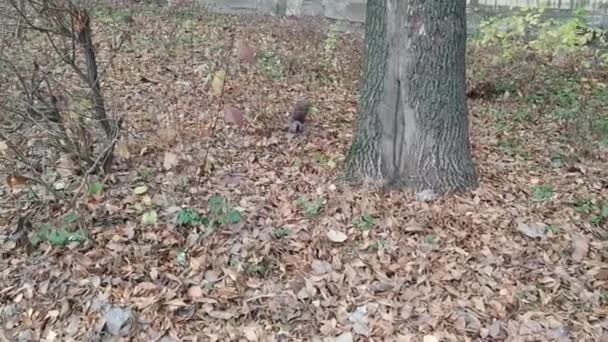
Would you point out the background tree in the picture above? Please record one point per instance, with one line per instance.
(413, 119)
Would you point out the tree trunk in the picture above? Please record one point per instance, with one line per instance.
(85, 38)
(413, 119)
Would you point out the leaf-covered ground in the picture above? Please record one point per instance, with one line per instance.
(256, 240)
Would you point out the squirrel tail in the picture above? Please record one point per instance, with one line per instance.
(296, 127)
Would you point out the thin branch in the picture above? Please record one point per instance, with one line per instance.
(24, 160)
(219, 104)
(107, 151)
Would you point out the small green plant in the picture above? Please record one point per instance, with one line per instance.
(56, 236)
(330, 46)
(431, 239)
(377, 245)
(181, 257)
(220, 212)
(512, 146)
(504, 86)
(70, 217)
(536, 98)
(253, 266)
(323, 160)
(365, 222)
(528, 30)
(190, 217)
(600, 214)
(270, 62)
(297, 163)
(331, 42)
(522, 115)
(604, 296)
(235, 263)
(569, 35)
(145, 173)
(183, 184)
(69, 230)
(552, 229)
(602, 127)
(95, 188)
(542, 193)
(121, 14)
(255, 269)
(311, 208)
(584, 205)
(280, 233)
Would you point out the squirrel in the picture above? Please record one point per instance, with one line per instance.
(298, 116)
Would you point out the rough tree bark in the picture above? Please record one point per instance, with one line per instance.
(413, 118)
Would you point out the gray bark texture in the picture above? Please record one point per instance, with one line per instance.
(413, 118)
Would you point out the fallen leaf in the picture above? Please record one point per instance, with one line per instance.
(65, 166)
(221, 314)
(494, 330)
(320, 267)
(430, 338)
(123, 149)
(117, 321)
(16, 181)
(168, 136)
(59, 185)
(378, 286)
(195, 292)
(346, 337)
(250, 334)
(149, 218)
(244, 51)
(170, 160)
(176, 302)
(233, 115)
(359, 320)
(426, 195)
(580, 247)
(218, 82)
(336, 236)
(532, 230)
(140, 190)
(168, 338)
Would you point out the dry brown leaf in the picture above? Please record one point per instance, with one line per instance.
(233, 115)
(251, 333)
(66, 166)
(170, 160)
(15, 181)
(244, 51)
(320, 267)
(580, 247)
(168, 136)
(532, 230)
(176, 302)
(195, 292)
(123, 149)
(225, 315)
(146, 286)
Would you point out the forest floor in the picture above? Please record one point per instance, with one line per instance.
(210, 232)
